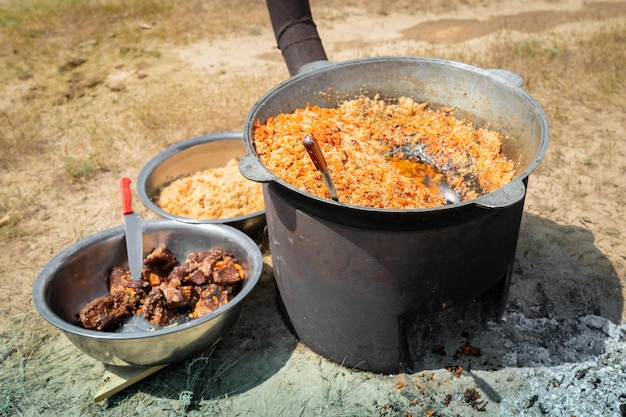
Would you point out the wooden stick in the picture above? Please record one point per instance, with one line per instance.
(5, 220)
(116, 378)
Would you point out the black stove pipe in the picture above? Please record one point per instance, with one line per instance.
(296, 33)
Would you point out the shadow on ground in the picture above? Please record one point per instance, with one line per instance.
(257, 347)
(564, 297)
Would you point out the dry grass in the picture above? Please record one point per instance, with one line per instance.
(66, 134)
(38, 49)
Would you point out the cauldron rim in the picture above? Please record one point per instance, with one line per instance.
(250, 166)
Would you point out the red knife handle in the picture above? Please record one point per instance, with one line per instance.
(126, 196)
(315, 153)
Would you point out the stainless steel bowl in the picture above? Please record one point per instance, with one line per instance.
(77, 275)
(184, 158)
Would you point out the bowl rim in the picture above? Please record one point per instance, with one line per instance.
(172, 150)
(42, 280)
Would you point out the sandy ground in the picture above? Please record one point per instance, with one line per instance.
(559, 350)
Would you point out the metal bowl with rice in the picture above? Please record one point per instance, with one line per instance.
(211, 151)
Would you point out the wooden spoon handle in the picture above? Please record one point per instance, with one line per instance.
(314, 151)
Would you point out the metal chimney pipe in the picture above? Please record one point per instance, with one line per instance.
(296, 33)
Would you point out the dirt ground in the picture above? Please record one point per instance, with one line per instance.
(93, 111)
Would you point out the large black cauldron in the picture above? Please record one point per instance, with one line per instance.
(348, 275)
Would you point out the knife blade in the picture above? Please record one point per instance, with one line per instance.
(132, 229)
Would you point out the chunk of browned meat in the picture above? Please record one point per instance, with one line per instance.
(181, 271)
(161, 258)
(196, 269)
(198, 278)
(210, 300)
(207, 265)
(120, 279)
(99, 314)
(106, 313)
(227, 271)
(176, 295)
(154, 276)
(154, 307)
(126, 290)
(201, 256)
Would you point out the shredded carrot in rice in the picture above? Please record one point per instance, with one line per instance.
(217, 193)
(357, 139)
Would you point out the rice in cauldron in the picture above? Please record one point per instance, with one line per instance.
(370, 146)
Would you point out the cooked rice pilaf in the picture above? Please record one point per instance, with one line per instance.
(367, 143)
(216, 193)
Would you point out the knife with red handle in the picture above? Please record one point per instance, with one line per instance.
(133, 231)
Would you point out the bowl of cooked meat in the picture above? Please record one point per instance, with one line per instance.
(194, 283)
(198, 181)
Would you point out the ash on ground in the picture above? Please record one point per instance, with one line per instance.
(518, 366)
(556, 348)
